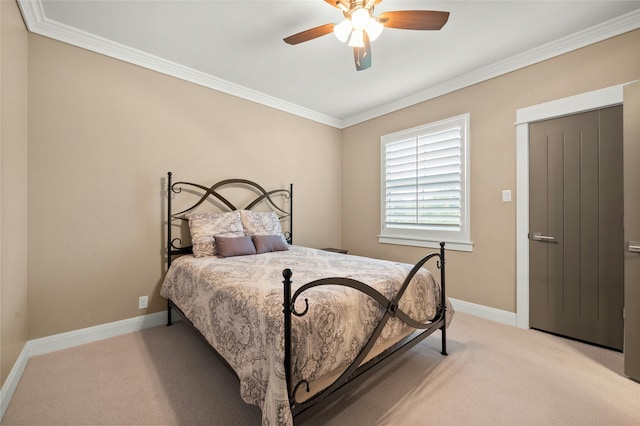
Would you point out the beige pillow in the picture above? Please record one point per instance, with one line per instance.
(205, 226)
(261, 223)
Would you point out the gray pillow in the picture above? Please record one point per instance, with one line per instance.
(234, 246)
(267, 243)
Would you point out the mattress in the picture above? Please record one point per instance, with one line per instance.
(236, 304)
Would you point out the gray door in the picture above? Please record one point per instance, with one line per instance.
(632, 230)
(576, 245)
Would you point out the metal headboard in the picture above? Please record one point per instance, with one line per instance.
(174, 245)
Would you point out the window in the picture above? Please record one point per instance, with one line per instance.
(425, 188)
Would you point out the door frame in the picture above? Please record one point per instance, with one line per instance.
(596, 99)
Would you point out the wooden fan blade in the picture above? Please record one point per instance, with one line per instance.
(310, 34)
(362, 55)
(414, 19)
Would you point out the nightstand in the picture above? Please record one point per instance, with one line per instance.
(335, 250)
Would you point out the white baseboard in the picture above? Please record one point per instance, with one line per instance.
(92, 334)
(70, 339)
(10, 385)
(486, 312)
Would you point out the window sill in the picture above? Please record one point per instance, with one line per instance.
(416, 242)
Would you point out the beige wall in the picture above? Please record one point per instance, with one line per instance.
(487, 275)
(13, 186)
(102, 135)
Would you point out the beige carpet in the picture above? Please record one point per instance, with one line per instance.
(494, 375)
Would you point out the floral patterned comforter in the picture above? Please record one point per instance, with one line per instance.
(236, 303)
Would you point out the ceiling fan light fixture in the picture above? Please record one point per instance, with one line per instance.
(360, 18)
(361, 26)
(374, 29)
(357, 39)
(342, 30)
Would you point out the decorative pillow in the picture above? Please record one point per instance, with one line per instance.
(205, 226)
(234, 246)
(268, 243)
(261, 223)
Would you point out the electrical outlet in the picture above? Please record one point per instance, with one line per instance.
(143, 302)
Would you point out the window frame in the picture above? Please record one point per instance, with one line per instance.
(455, 240)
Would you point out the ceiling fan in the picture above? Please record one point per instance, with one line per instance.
(360, 27)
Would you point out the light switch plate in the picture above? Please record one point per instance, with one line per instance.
(506, 196)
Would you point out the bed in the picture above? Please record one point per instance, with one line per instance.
(298, 326)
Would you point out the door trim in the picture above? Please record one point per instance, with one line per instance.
(596, 99)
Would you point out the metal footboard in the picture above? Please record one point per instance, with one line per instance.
(358, 371)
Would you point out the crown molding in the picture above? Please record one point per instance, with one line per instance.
(595, 34)
(37, 23)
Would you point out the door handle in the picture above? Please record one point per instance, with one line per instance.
(633, 246)
(539, 237)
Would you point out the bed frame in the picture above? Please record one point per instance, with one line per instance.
(358, 371)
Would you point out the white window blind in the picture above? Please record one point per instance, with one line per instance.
(424, 184)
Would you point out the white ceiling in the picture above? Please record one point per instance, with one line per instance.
(236, 46)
